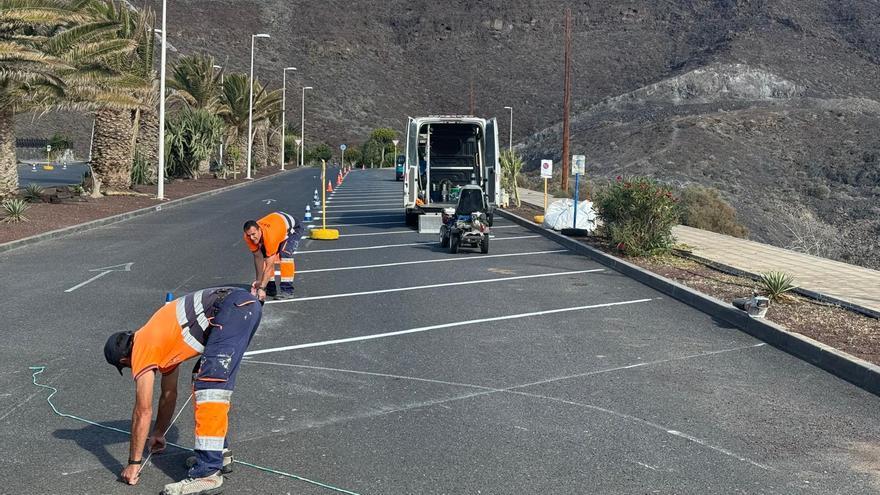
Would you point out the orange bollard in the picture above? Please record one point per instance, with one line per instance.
(329, 187)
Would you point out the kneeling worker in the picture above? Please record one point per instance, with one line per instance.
(216, 323)
(273, 239)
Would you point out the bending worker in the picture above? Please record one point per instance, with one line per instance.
(216, 323)
(273, 239)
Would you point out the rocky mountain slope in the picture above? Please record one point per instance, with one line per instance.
(771, 101)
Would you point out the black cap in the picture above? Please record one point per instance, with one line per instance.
(118, 346)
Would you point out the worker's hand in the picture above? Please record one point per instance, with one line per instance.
(255, 285)
(156, 444)
(130, 474)
(261, 294)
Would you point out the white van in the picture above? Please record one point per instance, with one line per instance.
(444, 153)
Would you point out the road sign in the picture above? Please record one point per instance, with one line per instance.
(343, 147)
(546, 169)
(578, 164)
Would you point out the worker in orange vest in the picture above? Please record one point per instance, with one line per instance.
(216, 323)
(273, 239)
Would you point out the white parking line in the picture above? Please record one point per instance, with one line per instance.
(403, 245)
(410, 231)
(355, 224)
(441, 260)
(441, 326)
(389, 200)
(435, 286)
(380, 206)
(369, 215)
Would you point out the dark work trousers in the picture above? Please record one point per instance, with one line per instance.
(234, 324)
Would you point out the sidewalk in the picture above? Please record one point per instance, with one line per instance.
(824, 278)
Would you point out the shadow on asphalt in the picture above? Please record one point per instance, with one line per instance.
(95, 439)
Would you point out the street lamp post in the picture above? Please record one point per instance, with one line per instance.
(160, 190)
(284, 109)
(302, 125)
(510, 143)
(251, 105)
(223, 165)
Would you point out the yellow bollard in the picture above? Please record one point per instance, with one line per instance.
(324, 234)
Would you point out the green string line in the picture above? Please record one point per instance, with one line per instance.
(39, 369)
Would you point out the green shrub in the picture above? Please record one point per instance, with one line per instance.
(776, 284)
(141, 171)
(191, 136)
(637, 215)
(14, 210)
(703, 208)
(33, 193)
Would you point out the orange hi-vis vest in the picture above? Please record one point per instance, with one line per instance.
(175, 333)
(275, 228)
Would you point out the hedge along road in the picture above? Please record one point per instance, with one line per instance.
(401, 368)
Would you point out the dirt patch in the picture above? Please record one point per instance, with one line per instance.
(832, 325)
(45, 217)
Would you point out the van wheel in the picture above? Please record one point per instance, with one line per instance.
(454, 242)
(484, 244)
(444, 239)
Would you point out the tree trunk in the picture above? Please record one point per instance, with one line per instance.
(274, 136)
(8, 163)
(260, 150)
(148, 140)
(111, 158)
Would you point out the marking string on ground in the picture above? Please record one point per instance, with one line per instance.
(513, 390)
(434, 286)
(39, 369)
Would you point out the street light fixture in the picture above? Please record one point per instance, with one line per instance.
(302, 125)
(510, 143)
(220, 68)
(251, 106)
(160, 189)
(284, 109)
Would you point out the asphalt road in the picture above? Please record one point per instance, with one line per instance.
(37, 173)
(400, 368)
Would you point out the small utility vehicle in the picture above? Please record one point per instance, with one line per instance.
(466, 225)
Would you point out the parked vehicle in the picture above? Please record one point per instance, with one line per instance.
(399, 167)
(467, 224)
(443, 154)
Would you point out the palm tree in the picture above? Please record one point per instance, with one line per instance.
(194, 82)
(125, 88)
(234, 111)
(31, 78)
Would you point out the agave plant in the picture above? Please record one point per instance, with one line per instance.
(776, 285)
(33, 193)
(14, 210)
(511, 166)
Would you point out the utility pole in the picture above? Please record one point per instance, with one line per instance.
(566, 102)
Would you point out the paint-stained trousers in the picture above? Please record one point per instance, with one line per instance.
(233, 326)
(286, 268)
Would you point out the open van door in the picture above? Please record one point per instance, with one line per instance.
(411, 167)
(492, 170)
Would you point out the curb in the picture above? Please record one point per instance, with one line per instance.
(82, 227)
(861, 373)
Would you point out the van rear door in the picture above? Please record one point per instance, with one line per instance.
(411, 170)
(491, 168)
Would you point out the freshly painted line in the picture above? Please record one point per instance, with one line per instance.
(389, 200)
(96, 277)
(366, 205)
(441, 260)
(435, 286)
(409, 231)
(355, 225)
(404, 245)
(362, 216)
(442, 326)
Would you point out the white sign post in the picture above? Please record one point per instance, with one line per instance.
(578, 167)
(546, 173)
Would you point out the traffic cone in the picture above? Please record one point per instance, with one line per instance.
(33, 167)
(315, 200)
(169, 296)
(363, 167)
(329, 187)
(338, 179)
(308, 217)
